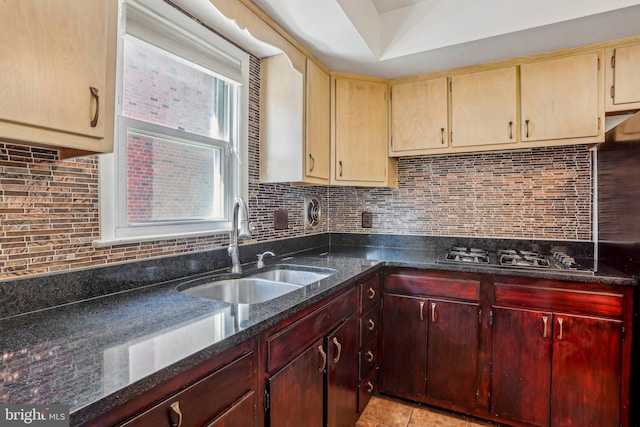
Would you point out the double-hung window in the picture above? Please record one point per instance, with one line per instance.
(180, 151)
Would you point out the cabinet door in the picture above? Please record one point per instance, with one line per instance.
(521, 365)
(318, 122)
(51, 54)
(624, 81)
(419, 116)
(342, 374)
(452, 360)
(483, 108)
(240, 414)
(586, 377)
(296, 392)
(559, 98)
(404, 345)
(361, 152)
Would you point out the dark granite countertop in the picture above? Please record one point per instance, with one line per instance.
(97, 353)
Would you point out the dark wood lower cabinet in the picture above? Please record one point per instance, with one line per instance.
(516, 350)
(296, 392)
(556, 369)
(521, 365)
(342, 375)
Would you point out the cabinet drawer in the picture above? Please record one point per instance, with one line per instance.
(203, 401)
(288, 343)
(563, 300)
(369, 294)
(240, 414)
(367, 388)
(369, 325)
(368, 358)
(432, 284)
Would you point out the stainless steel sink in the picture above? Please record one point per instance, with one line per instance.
(293, 276)
(261, 286)
(246, 290)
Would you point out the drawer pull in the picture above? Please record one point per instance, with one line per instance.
(324, 359)
(369, 387)
(433, 312)
(175, 415)
(339, 348)
(421, 310)
(545, 319)
(560, 320)
(371, 293)
(369, 356)
(313, 162)
(372, 324)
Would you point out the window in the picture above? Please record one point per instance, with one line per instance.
(180, 151)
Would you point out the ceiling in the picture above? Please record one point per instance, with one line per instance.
(396, 38)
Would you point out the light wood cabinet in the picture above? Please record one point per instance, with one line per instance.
(483, 108)
(295, 122)
(419, 117)
(360, 133)
(622, 88)
(561, 99)
(57, 74)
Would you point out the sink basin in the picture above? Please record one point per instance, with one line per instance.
(261, 286)
(246, 290)
(293, 276)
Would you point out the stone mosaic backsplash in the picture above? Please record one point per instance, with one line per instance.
(49, 208)
(542, 193)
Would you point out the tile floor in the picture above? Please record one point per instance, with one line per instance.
(386, 412)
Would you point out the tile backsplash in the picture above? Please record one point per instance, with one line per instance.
(542, 193)
(49, 208)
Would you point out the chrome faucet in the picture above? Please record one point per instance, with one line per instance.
(261, 258)
(239, 230)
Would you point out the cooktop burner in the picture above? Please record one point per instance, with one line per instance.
(513, 259)
(474, 255)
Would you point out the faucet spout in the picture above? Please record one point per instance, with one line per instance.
(239, 230)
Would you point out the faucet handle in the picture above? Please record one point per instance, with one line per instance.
(261, 256)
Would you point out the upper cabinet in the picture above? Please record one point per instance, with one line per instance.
(560, 99)
(57, 74)
(622, 89)
(483, 108)
(360, 133)
(295, 122)
(419, 120)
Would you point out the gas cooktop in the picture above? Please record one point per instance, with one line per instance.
(513, 259)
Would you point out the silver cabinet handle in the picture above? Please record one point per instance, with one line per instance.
(339, 347)
(544, 322)
(560, 321)
(175, 415)
(421, 310)
(433, 312)
(324, 358)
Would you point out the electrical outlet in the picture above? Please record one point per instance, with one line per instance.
(367, 220)
(281, 220)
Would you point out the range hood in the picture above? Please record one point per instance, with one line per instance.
(617, 178)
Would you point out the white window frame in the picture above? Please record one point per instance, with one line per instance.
(233, 64)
